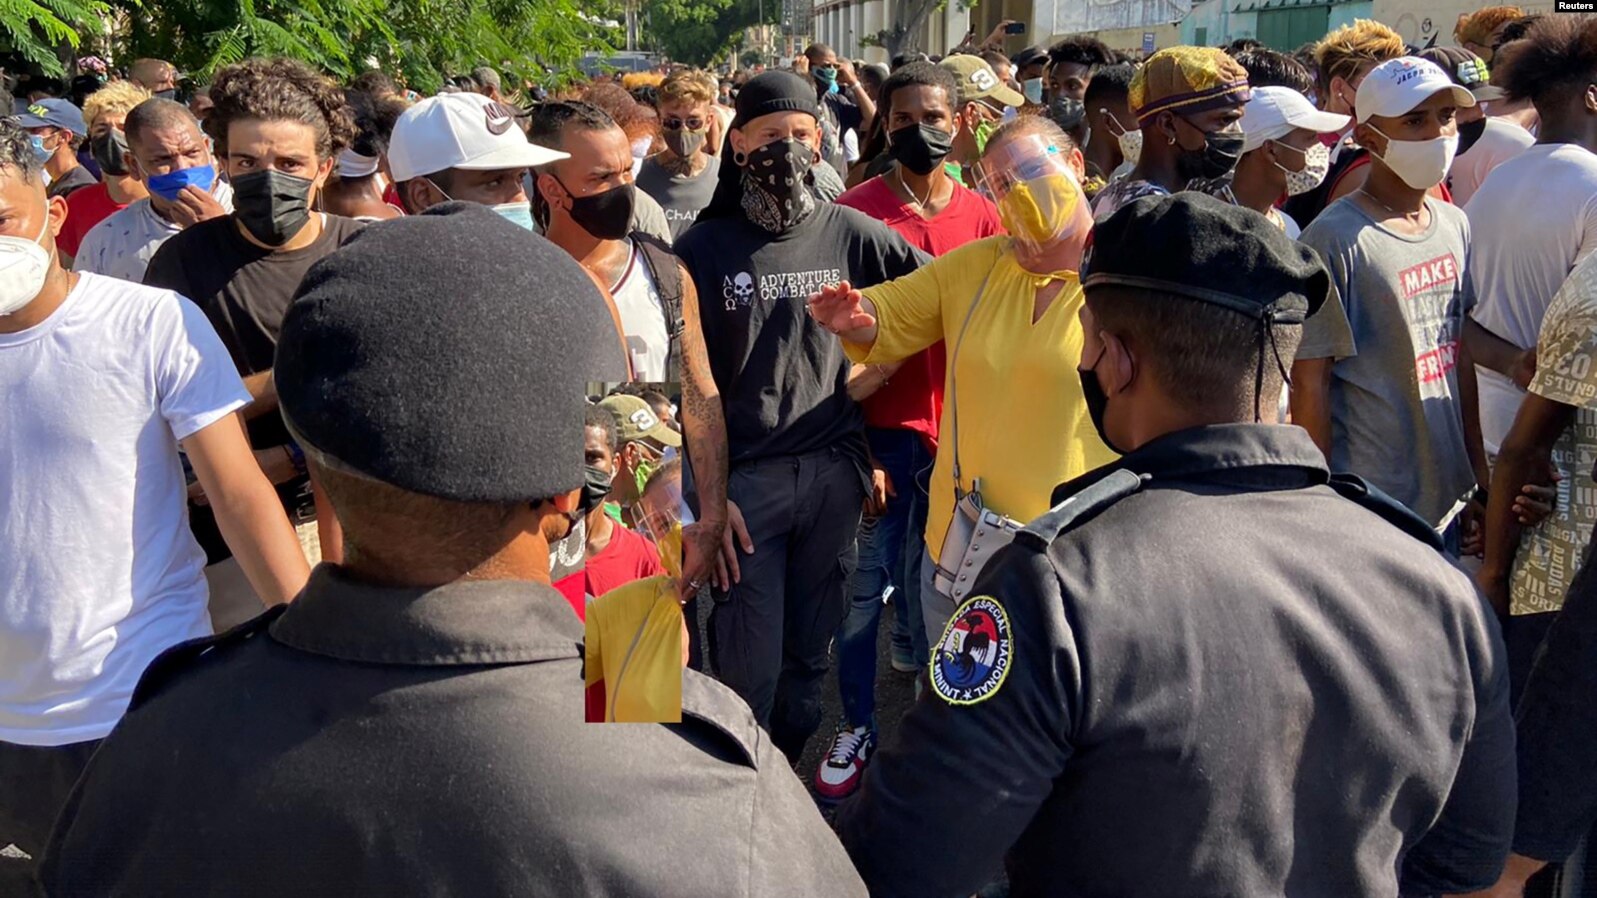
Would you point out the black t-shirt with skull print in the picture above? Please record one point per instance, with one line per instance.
(783, 379)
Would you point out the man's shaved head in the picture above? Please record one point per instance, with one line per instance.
(152, 74)
(158, 115)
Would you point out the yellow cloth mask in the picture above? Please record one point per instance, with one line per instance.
(1040, 210)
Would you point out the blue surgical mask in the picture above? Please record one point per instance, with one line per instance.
(1032, 88)
(515, 213)
(169, 185)
(41, 153)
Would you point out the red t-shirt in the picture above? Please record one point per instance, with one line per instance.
(629, 557)
(913, 398)
(85, 209)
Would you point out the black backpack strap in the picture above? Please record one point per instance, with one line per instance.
(667, 275)
(1354, 487)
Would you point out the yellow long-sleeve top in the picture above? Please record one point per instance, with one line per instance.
(1023, 422)
(632, 654)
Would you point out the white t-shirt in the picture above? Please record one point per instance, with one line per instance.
(98, 570)
(1500, 141)
(643, 319)
(123, 245)
(1531, 220)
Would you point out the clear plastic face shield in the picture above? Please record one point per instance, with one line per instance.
(661, 515)
(1039, 200)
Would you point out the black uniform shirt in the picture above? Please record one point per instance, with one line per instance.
(366, 741)
(783, 378)
(1232, 681)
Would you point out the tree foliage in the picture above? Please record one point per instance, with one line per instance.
(424, 41)
(45, 31)
(697, 32)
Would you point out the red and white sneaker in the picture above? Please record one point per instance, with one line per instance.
(845, 762)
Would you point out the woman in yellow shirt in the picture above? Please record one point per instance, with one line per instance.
(1009, 308)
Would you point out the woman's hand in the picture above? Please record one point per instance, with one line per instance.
(841, 309)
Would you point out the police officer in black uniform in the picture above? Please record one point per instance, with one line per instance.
(1213, 668)
(412, 724)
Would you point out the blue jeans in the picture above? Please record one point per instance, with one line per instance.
(890, 549)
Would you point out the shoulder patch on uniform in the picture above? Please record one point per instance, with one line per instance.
(974, 655)
(1078, 507)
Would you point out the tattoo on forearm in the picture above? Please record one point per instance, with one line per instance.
(702, 416)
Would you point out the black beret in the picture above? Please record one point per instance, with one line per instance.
(447, 354)
(1200, 248)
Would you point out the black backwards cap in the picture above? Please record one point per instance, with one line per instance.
(1196, 247)
(775, 91)
(447, 354)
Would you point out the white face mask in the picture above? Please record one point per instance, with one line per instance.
(1316, 163)
(1422, 164)
(24, 265)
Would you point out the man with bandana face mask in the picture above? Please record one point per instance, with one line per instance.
(799, 470)
(283, 126)
(1188, 103)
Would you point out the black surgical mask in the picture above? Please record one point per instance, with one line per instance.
(682, 141)
(1215, 161)
(920, 148)
(595, 487)
(606, 216)
(1097, 402)
(109, 149)
(776, 193)
(272, 205)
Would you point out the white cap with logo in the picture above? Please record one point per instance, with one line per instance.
(1275, 112)
(1397, 86)
(461, 130)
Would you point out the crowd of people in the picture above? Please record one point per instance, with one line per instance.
(1215, 432)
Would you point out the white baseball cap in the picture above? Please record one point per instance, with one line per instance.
(1396, 86)
(1275, 112)
(461, 130)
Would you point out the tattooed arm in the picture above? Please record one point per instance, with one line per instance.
(706, 543)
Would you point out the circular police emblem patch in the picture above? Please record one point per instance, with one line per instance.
(974, 655)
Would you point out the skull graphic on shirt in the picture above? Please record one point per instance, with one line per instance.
(738, 291)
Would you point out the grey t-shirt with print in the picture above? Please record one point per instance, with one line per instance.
(1396, 416)
(682, 197)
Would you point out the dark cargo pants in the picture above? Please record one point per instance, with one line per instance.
(769, 637)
